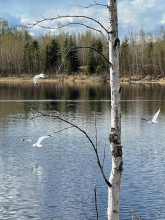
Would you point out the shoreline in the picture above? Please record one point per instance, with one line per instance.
(80, 79)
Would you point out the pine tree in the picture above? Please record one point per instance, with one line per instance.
(52, 56)
(72, 60)
(95, 63)
(99, 59)
(31, 57)
(35, 56)
(46, 64)
(91, 62)
(124, 57)
(4, 28)
(28, 66)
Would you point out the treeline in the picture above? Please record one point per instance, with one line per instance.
(143, 54)
(20, 53)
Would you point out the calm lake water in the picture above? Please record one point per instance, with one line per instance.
(56, 181)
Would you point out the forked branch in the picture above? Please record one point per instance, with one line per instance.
(39, 22)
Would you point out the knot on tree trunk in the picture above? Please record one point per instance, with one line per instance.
(117, 148)
(117, 151)
(116, 43)
(113, 137)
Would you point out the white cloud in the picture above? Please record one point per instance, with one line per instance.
(54, 12)
(138, 13)
(131, 13)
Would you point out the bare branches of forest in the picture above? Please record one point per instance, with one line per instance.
(141, 54)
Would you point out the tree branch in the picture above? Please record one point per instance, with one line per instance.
(132, 211)
(37, 23)
(97, 214)
(84, 208)
(90, 5)
(79, 23)
(87, 136)
(62, 129)
(104, 155)
(83, 47)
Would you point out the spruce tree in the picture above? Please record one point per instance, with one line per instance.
(52, 56)
(35, 56)
(31, 57)
(72, 60)
(28, 66)
(91, 62)
(95, 62)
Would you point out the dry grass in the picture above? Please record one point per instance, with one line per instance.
(79, 78)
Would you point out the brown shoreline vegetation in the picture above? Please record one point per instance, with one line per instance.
(79, 78)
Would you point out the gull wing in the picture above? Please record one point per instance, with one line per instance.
(42, 138)
(155, 116)
(41, 75)
(35, 79)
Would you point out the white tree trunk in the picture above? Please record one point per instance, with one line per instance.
(115, 135)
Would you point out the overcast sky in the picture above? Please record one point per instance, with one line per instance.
(132, 14)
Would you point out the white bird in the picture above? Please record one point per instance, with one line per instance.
(38, 144)
(28, 140)
(41, 75)
(154, 120)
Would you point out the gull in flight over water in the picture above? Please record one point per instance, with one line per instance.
(38, 144)
(154, 120)
(41, 75)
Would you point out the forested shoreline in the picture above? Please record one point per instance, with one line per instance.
(141, 54)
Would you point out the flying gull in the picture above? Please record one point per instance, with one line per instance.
(41, 75)
(38, 143)
(154, 120)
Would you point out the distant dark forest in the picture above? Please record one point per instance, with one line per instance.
(141, 54)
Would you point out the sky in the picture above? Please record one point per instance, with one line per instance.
(132, 14)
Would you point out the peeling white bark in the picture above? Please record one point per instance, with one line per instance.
(115, 135)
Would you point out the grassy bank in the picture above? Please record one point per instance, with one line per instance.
(79, 78)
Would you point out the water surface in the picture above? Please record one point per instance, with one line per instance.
(56, 181)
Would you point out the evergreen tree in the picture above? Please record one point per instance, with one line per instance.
(27, 58)
(47, 53)
(99, 59)
(4, 28)
(52, 56)
(124, 56)
(35, 56)
(95, 62)
(91, 62)
(31, 57)
(72, 60)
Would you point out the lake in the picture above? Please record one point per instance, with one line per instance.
(55, 182)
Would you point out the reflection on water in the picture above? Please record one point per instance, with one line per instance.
(48, 182)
